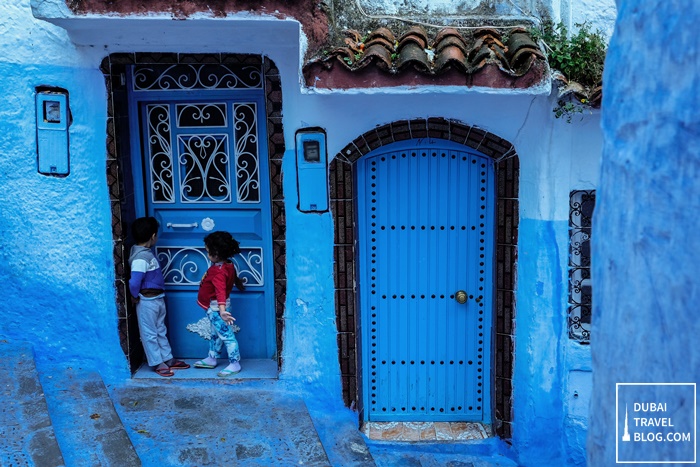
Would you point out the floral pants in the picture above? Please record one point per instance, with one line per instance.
(221, 335)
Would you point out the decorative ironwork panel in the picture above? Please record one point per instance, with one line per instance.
(196, 76)
(186, 265)
(201, 115)
(182, 265)
(245, 129)
(249, 265)
(160, 153)
(204, 168)
(581, 205)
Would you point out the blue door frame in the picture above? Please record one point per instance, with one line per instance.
(426, 234)
(199, 161)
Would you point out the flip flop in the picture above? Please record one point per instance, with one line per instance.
(201, 364)
(164, 372)
(227, 373)
(179, 365)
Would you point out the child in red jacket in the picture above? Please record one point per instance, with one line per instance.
(214, 291)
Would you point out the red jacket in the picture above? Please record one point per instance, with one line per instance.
(216, 284)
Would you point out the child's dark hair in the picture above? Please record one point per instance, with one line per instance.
(143, 229)
(223, 246)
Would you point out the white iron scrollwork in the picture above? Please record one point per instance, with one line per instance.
(204, 169)
(186, 265)
(160, 153)
(246, 146)
(182, 265)
(185, 77)
(201, 115)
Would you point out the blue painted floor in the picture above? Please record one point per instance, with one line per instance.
(63, 415)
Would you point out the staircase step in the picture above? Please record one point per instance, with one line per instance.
(27, 436)
(337, 428)
(88, 428)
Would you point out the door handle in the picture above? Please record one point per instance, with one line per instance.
(461, 297)
(181, 226)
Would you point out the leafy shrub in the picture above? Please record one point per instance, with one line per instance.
(579, 57)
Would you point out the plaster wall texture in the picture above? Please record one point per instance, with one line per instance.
(444, 9)
(56, 250)
(600, 14)
(66, 221)
(645, 275)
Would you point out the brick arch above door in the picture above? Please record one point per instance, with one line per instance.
(342, 193)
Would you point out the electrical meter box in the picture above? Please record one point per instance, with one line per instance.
(312, 170)
(52, 132)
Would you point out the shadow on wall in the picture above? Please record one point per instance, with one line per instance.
(60, 320)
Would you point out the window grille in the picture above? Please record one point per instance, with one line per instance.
(581, 205)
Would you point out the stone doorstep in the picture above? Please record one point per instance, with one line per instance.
(251, 369)
(426, 431)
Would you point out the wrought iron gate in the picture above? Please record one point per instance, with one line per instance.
(425, 210)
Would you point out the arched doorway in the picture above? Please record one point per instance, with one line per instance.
(343, 192)
(425, 254)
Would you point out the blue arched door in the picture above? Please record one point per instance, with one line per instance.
(199, 159)
(425, 238)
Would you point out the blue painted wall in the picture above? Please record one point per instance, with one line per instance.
(56, 250)
(310, 330)
(645, 276)
(538, 378)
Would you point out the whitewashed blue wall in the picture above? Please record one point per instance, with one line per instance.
(56, 251)
(645, 276)
(57, 248)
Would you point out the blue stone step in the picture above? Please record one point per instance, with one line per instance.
(88, 429)
(26, 434)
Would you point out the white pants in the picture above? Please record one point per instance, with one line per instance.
(154, 335)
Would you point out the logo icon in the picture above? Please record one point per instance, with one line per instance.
(626, 434)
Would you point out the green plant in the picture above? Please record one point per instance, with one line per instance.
(579, 57)
(567, 110)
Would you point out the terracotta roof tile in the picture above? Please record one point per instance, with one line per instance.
(378, 54)
(521, 50)
(450, 41)
(445, 34)
(411, 53)
(596, 96)
(414, 59)
(415, 34)
(383, 33)
(450, 56)
(571, 90)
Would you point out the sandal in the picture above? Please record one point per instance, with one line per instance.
(226, 372)
(164, 372)
(179, 365)
(202, 364)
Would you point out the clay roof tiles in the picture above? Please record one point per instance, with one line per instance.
(449, 52)
(571, 90)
